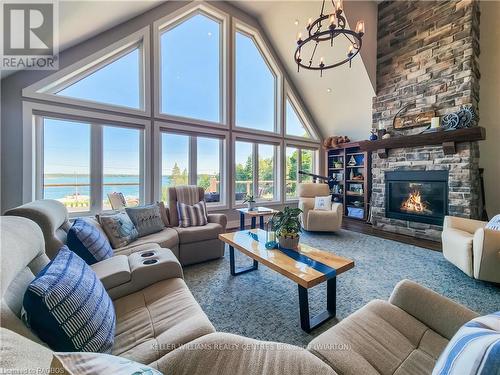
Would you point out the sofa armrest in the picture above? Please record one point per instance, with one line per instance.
(113, 271)
(122, 275)
(463, 224)
(486, 255)
(218, 219)
(439, 313)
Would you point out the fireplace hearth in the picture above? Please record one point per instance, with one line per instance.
(419, 196)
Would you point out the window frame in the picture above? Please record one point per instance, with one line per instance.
(301, 114)
(37, 112)
(315, 167)
(255, 141)
(47, 88)
(170, 21)
(267, 56)
(193, 133)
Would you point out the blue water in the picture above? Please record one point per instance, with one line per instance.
(57, 192)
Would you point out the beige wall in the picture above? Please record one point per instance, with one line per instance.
(489, 103)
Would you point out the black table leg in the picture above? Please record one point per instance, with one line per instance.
(261, 222)
(254, 222)
(307, 323)
(234, 271)
(242, 221)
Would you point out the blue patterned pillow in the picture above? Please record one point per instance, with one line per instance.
(475, 349)
(67, 306)
(494, 223)
(88, 242)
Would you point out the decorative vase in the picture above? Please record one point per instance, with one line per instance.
(373, 136)
(251, 206)
(289, 242)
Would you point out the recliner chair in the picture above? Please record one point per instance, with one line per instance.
(318, 220)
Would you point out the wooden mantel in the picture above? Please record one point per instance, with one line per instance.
(447, 139)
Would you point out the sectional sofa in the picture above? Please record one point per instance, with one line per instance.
(190, 245)
(159, 323)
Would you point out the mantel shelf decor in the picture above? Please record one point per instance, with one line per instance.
(447, 138)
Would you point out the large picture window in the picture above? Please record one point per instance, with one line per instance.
(191, 69)
(255, 85)
(192, 160)
(255, 171)
(84, 162)
(298, 159)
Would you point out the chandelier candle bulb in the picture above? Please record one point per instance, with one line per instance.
(299, 37)
(339, 6)
(360, 27)
(309, 22)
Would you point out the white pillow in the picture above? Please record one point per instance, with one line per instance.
(323, 203)
(494, 223)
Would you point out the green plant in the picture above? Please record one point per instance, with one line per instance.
(249, 199)
(287, 223)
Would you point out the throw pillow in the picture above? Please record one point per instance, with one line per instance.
(88, 242)
(475, 349)
(97, 363)
(323, 203)
(494, 223)
(147, 219)
(192, 216)
(119, 229)
(67, 306)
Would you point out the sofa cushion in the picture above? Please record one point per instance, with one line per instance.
(97, 363)
(192, 215)
(166, 238)
(227, 354)
(68, 307)
(147, 219)
(379, 338)
(88, 242)
(119, 229)
(209, 231)
(19, 355)
(475, 349)
(156, 320)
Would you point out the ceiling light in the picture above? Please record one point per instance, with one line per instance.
(326, 28)
(296, 22)
(328, 90)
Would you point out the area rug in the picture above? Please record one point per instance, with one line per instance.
(264, 305)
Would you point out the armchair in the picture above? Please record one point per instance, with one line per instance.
(318, 220)
(472, 248)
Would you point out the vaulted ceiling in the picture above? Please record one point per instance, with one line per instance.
(340, 102)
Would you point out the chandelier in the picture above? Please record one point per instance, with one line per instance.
(325, 29)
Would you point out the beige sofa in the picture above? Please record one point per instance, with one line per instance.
(318, 220)
(152, 321)
(189, 245)
(472, 248)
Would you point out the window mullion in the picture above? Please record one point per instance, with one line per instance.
(255, 175)
(39, 156)
(299, 163)
(193, 160)
(96, 168)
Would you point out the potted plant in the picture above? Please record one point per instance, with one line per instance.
(287, 226)
(250, 201)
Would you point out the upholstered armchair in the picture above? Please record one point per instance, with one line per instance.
(472, 247)
(318, 220)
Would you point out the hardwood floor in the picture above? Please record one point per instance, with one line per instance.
(363, 227)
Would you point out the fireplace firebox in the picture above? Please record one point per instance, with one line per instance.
(420, 196)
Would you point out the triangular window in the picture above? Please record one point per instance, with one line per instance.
(117, 83)
(294, 125)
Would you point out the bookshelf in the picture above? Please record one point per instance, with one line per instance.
(351, 169)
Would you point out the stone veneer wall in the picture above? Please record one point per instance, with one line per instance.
(427, 57)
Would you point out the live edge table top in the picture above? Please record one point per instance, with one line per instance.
(282, 263)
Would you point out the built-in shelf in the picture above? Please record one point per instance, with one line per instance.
(353, 194)
(355, 166)
(355, 181)
(446, 138)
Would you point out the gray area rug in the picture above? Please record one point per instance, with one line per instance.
(264, 305)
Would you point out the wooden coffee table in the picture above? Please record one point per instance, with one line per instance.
(307, 267)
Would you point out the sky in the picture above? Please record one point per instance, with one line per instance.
(190, 77)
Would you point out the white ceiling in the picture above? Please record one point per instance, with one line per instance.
(346, 110)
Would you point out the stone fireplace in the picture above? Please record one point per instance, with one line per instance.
(427, 60)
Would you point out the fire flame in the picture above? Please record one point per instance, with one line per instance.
(414, 202)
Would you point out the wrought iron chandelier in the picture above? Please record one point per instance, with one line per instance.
(325, 29)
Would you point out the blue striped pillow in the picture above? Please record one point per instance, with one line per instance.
(475, 349)
(67, 306)
(88, 242)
